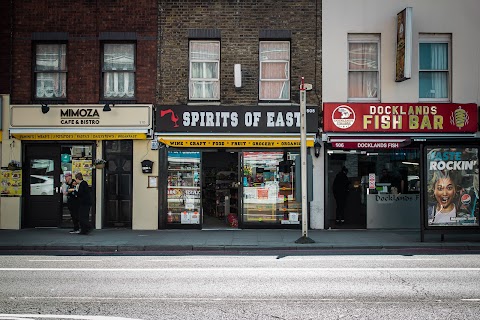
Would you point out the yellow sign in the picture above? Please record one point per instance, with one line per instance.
(10, 183)
(80, 136)
(240, 143)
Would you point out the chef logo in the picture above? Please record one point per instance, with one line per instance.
(343, 117)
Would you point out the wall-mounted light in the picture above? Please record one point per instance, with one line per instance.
(107, 108)
(45, 108)
(317, 145)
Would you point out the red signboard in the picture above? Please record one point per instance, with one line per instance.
(400, 117)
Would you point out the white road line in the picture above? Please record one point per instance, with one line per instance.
(472, 300)
(209, 299)
(455, 270)
(182, 259)
(42, 260)
(56, 316)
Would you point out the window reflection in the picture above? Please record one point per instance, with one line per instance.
(41, 177)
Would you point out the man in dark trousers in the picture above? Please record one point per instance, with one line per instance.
(340, 192)
(72, 202)
(84, 202)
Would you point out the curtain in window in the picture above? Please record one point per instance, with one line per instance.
(433, 84)
(204, 65)
(363, 70)
(274, 70)
(119, 66)
(51, 58)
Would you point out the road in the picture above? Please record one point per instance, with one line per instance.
(241, 286)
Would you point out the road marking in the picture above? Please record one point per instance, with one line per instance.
(45, 260)
(473, 300)
(455, 270)
(210, 299)
(182, 259)
(57, 316)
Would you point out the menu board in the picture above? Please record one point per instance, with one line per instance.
(85, 167)
(11, 183)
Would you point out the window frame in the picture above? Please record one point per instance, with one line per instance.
(437, 38)
(103, 97)
(364, 38)
(35, 72)
(289, 66)
(192, 80)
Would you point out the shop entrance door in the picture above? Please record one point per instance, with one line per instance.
(118, 183)
(42, 186)
(220, 188)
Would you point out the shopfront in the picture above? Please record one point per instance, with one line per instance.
(386, 148)
(51, 142)
(230, 169)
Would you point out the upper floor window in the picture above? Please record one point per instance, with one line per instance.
(274, 70)
(204, 81)
(50, 71)
(118, 70)
(363, 67)
(434, 67)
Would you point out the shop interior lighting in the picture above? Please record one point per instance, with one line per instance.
(411, 163)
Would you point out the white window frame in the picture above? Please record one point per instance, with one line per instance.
(116, 73)
(437, 38)
(287, 80)
(364, 38)
(47, 72)
(192, 81)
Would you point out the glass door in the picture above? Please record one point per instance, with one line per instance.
(42, 186)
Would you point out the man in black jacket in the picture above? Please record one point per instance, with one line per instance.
(340, 192)
(84, 202)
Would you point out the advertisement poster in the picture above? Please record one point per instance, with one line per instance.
(452, 175)
(11, 182)
(85, 167)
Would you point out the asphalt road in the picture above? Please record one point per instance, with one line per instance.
(249, 286)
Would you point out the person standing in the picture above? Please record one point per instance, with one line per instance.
(72, 203)
(340, 192)
(84, 204)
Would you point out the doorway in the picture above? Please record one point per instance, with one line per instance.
(45, 166)
(118, 183)
(220, 186)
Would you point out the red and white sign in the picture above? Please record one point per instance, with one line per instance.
(400, 117)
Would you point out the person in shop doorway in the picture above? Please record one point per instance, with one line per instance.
(72, 201)
(340, 192)
(84, 204)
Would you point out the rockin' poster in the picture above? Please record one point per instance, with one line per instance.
(453, 188)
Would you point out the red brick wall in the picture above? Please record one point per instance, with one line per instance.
(84, 21)
(5, 47)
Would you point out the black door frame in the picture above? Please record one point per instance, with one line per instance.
(26, 156)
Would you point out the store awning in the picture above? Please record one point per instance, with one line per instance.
(368, 142)
(76, 134)
(237, 141)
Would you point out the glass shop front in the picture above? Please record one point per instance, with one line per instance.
(231, 189)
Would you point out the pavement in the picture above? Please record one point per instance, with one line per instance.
(125, 240)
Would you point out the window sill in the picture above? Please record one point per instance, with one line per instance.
(203, 103)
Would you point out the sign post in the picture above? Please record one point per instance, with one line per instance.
(303, 156)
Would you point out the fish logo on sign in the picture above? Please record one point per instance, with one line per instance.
(343, 117)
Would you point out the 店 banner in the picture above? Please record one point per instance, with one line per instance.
(400, 117)
(452, 186)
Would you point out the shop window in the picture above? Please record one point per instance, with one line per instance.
(269, 188)
(434, 67)
(204, 83)
(363, 67)
(118, 70)
(274, 73)
(50, 71)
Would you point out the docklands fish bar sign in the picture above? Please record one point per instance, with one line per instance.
(400, 117)
(233, 119)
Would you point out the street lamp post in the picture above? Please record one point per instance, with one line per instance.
(303, 157)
